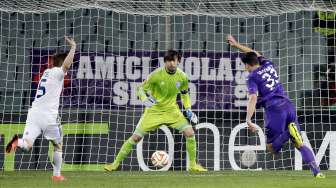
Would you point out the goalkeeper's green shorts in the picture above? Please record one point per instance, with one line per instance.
(152, 120)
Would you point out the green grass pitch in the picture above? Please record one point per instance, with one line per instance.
(228, 179)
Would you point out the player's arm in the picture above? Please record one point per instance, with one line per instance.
(251, 106)
(185, 97)
(69, 58)
(232, 41)
(184, 92)
(143, 89)
(252, 102)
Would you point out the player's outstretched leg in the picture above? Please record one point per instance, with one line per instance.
(125, 149)
(307, 154)
(191, 149)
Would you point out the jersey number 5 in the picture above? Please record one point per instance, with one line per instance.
(41, 90)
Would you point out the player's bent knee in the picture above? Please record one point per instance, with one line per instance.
(29, 148)
(57, 144)
(29, 145)
(189, 132)
(136, 138)
(58, 147)
(269, 148)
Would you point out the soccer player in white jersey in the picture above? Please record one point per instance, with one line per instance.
(43, 115)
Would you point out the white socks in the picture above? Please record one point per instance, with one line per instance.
(57, 163)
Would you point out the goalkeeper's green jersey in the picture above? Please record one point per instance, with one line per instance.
(165, 87)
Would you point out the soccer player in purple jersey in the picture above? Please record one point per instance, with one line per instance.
(265, 90)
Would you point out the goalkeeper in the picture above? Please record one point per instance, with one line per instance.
(158, 93)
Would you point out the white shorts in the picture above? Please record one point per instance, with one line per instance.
(42, 123)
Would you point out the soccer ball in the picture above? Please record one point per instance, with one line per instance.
(159, 158)
(248, 158)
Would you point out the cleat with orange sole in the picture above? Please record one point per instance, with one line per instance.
(12, 145)
(58, 178)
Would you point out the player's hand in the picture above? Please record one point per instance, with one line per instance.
(252, 127)
(149, 102)
(70, 41)
(231, 40)
(191, 116)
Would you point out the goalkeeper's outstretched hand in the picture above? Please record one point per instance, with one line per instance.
(149, 102)
(191, 116)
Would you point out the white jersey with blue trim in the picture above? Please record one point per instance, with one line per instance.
(49, 90)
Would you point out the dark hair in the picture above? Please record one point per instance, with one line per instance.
(250, 58)
(171, 55)
(58, 59)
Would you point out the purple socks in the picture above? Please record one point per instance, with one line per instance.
(308, 157)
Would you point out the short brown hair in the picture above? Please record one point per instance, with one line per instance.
(250, 58)
(58, 59)
(171, 55)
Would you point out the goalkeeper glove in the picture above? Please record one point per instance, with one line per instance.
(149, 101)
(191, 116)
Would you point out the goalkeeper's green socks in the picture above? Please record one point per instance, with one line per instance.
(126, 148)
(191, 149)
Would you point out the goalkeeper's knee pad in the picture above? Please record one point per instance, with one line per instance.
(295, 135)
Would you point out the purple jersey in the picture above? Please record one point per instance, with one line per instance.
(279, 111)
(264, 81)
